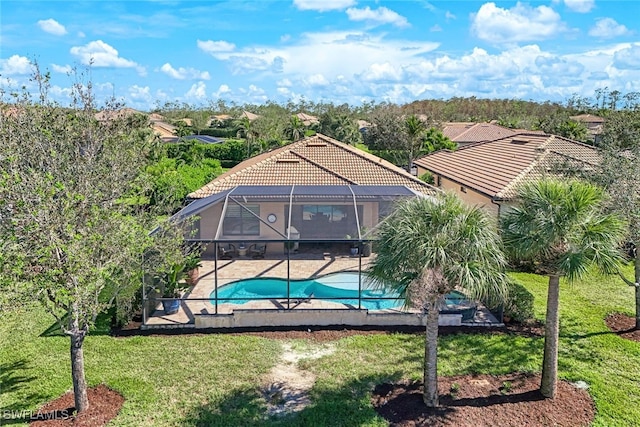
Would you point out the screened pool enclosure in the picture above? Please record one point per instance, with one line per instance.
(285, 248)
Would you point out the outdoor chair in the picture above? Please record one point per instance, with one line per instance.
(257, 251)
(227, 251)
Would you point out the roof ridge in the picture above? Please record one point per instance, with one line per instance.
(377, 161)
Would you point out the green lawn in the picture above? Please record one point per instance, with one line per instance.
(212, 379)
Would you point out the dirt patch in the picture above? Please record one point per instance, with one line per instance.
(104, 405)
(624, 326)
(485, 400)
(287, 386)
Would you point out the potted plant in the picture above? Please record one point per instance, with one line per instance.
(354, 245)
(191, 265)
(172, 283)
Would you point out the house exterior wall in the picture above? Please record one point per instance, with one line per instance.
(468, 195)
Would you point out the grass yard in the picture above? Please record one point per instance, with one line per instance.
(213, 379)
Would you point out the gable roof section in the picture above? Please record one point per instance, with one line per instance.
(496, 168)
(316, 160)
(475, 132)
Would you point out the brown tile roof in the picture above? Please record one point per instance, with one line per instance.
(588, 118)
(495, 168)
(249, 115)
(463, 132)
(163, 130)
(307, 119)
(316, 160)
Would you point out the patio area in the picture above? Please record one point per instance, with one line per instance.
(198, 310)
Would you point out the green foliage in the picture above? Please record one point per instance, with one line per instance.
(230, 132)
(519, 302)
(427, 177)
(560, 226)
(172, 179)
(434, 140)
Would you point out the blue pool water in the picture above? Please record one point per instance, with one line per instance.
(337, 287)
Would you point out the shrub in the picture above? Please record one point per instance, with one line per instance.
(428, 178)
(519, 303)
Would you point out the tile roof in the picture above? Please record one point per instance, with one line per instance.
(588, 118)
(463, 132)
(316, 160)
(307, 119)
(495, 168)
(249, 115)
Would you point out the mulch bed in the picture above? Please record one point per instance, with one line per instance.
(484, 400)
(624, 326)
(104, 405)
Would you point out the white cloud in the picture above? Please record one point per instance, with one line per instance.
(212, 47)
(63, 69)
(198, 91)
(223, 89)
(323, 5)
(628, 58)
(140, 93)
(518, 24)
(606, 28)
(449, 16)
(382, 72)
(317, 80)
(379, 16)
(100, 54)
(581, 6)
(184, 73)
(435, 29)
(52, 26)
(334, 53)
(15, 65)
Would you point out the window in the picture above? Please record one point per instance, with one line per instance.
(239, 221)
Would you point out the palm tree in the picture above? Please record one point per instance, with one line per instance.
(246, 130)
(560, 226)
(295, 129)
(429, 247)
(415, 129)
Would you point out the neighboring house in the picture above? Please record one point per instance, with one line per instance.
(307, 119)
(164, 131)
(593, 123)
(249, 115)
(488, 173)
(316, 189)
(464, 133)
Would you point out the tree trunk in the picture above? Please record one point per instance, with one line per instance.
(636, 263)
(430, 395)
(549, 381)
(77, 372)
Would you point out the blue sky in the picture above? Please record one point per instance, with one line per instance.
(147, 53)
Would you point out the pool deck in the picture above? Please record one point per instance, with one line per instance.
(301, 266)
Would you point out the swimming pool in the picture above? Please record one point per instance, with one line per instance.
(337, 287)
